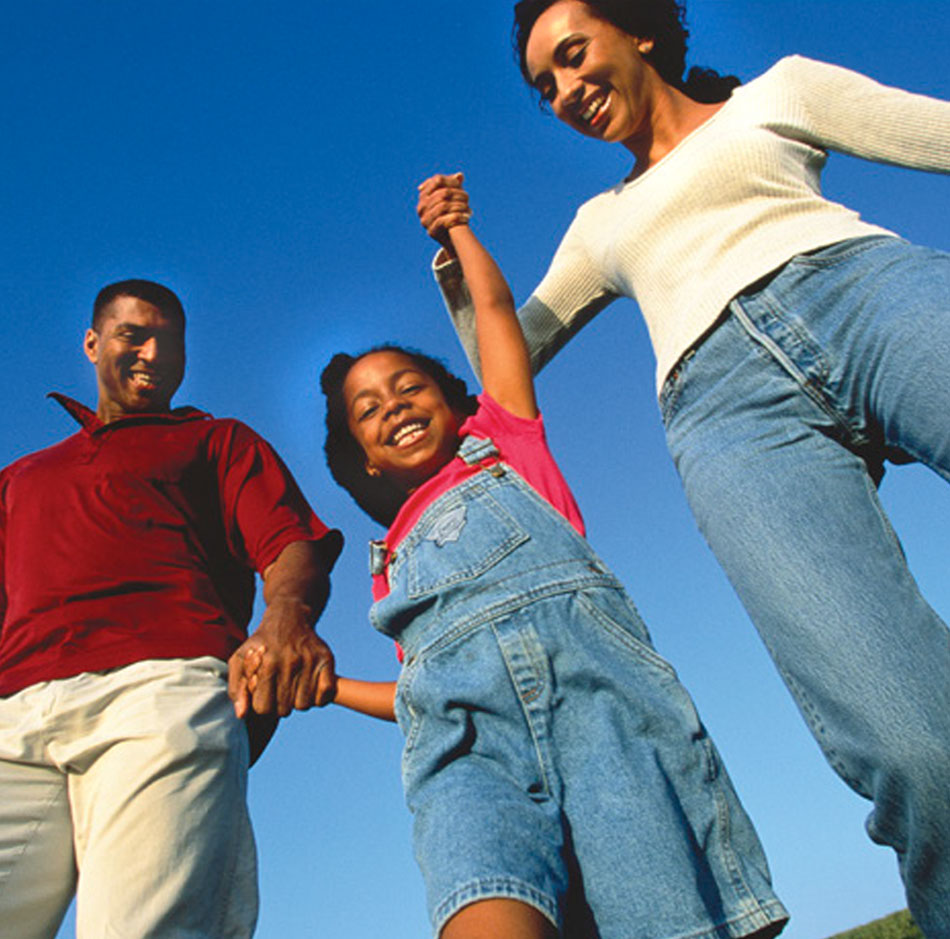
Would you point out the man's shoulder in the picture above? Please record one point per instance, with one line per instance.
(52, 453)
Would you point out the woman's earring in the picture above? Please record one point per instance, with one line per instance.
(645, 46)
(371, 470)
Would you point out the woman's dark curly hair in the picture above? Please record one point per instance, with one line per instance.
(663, 21)
(378, 496)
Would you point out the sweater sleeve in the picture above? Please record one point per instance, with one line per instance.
(571, 294)
(845, 111)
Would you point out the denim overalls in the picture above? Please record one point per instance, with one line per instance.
(552, 755)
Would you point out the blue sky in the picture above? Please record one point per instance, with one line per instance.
(262, 160)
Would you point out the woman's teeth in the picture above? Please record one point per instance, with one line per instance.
(593, 109)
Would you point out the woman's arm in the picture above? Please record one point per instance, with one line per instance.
(849, 112)
(572, 293)
(374, 698)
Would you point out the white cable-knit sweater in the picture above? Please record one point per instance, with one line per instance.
(733, 201)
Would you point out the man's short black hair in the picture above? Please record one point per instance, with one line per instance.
(158, 295)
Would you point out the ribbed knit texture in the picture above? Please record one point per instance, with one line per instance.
(733, 201)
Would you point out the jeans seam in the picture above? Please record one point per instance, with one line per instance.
(619, 635)
(777, 354)
(526, 704)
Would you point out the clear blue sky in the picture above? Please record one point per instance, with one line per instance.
(262, 159)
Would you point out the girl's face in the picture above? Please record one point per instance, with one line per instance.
(399, 416)
(591, 73)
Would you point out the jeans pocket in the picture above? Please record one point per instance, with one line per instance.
(619, 621)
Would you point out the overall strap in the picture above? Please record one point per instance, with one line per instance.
(481, 450)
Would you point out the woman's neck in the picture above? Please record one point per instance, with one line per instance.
(673, 117)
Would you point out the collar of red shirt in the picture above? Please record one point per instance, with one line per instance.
(90, 422)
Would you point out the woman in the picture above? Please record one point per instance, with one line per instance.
(797, 348)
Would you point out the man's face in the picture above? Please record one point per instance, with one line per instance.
(139, 355)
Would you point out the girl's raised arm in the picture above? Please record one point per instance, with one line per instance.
(506, 366)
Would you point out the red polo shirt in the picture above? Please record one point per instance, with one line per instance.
(139, 539)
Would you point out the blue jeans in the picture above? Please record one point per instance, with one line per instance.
(552, 756)
(779, 424)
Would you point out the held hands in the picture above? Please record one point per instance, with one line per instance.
(284, 665)
(442, 205)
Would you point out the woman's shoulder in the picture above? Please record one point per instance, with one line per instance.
(796, 69)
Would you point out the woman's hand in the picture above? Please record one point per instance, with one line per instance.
(443, 204)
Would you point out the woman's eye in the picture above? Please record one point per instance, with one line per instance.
(576, 57)
(367, 412)
(410, 389)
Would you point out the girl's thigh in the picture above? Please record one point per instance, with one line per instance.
(488, 919)
(485, 825)
(644, 788)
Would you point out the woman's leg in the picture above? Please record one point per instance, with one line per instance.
(490, 919)
(779, 425)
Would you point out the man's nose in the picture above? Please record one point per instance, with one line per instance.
(149, 349)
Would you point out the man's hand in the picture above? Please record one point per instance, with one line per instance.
(284, 664)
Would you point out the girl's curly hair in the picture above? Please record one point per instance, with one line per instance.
(663, 21)
(376, 495)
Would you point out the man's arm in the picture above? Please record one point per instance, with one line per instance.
(292, 666)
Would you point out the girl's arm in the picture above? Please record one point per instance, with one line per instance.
(571, 294)
(505, 363)
(374, 698)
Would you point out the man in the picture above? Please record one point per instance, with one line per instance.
(127, 558)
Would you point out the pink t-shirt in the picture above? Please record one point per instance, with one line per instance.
(521, 443)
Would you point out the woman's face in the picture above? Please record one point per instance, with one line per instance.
(591, 73)
(397, 413)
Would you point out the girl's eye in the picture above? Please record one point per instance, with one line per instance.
(410, 389)
(367, 412)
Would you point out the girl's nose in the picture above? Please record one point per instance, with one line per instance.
(393, 405)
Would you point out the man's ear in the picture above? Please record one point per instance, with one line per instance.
(90, 346)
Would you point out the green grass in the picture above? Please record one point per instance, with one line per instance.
(896, 926)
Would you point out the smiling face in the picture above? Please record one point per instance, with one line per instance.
(139, 355)
(398, 414)
(593, 74)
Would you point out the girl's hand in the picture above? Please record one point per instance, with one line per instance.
(442, 205)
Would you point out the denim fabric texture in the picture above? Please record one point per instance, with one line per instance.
(780, 423)
(552, 756)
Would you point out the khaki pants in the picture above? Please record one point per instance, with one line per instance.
(135, 777)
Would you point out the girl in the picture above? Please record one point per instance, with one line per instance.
(560, 779)
(797, 348)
